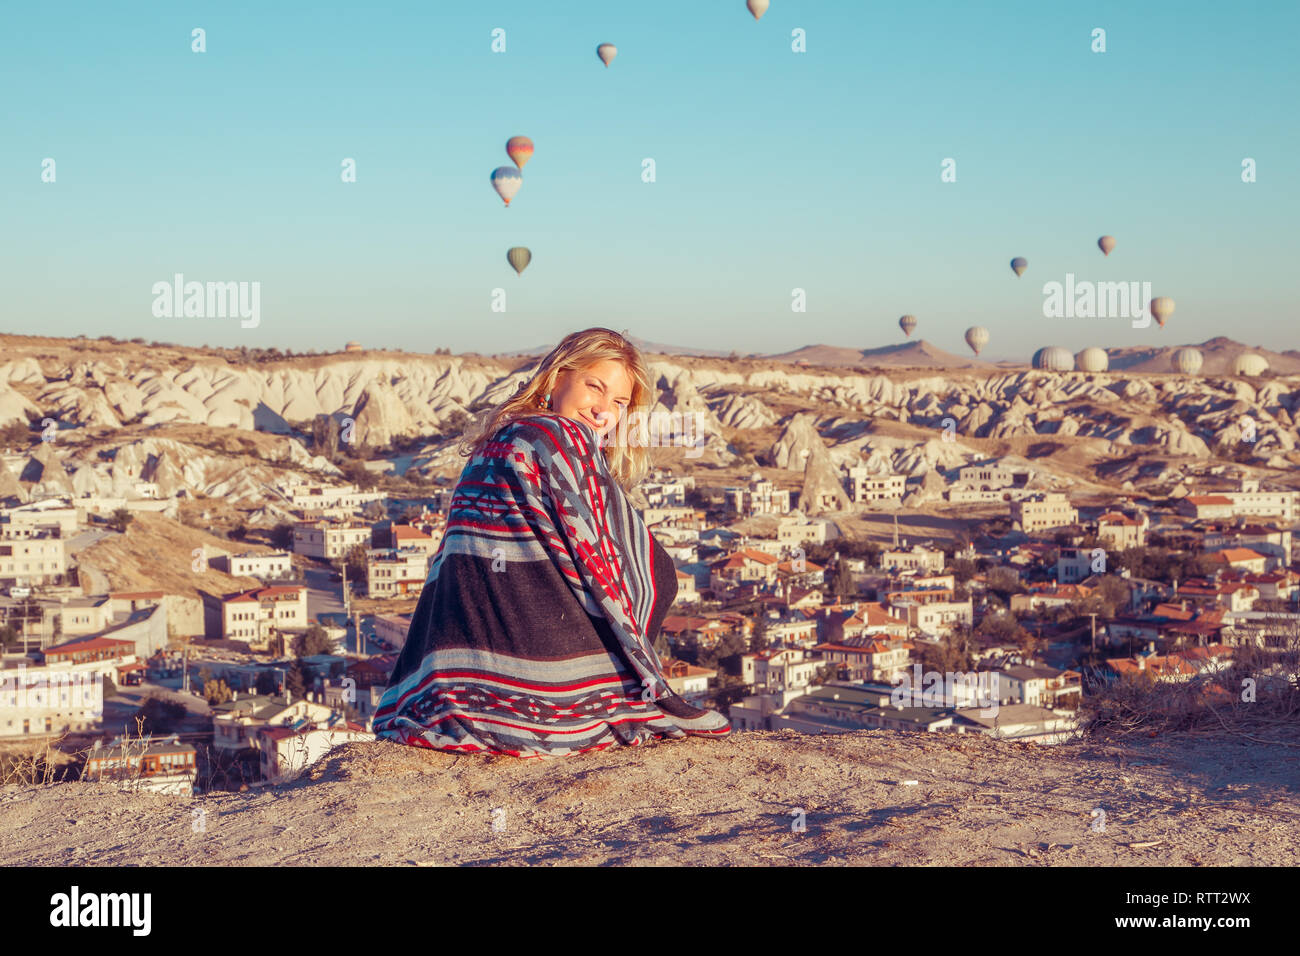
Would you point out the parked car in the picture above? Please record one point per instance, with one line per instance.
(336, 576)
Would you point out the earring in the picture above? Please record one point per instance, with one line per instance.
(548, 399)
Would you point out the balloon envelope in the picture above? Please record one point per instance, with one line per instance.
(1092, 359)
(1187, 360)
(907, 323)
(1249, 363)
(519, 149)
(977, 337)
(506, 181)
(518, 257)
(1019, 264)
(1162, 308)
(1054, 359)
(1106, 243)
(757, 7)
(606, 52)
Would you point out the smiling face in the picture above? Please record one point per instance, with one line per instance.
(598, 395)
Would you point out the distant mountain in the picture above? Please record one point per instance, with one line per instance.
(642, 344)
(917, 354)
(1218, 352)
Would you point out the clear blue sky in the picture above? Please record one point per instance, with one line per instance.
(775, 169)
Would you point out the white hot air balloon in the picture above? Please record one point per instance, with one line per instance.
(757, 7)
(1187, 361)
(606, 52)
(1053, 358)
(1249, 363)
(1092, 359)
(977, 337)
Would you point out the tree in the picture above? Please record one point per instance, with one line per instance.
(161, 716)
(217, 692)
(282, 536)
(294, 682)
(356, 562)
(120, 520)
(265, 683)
(312, 642)
(375, 511)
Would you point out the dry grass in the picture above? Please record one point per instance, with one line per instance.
(1257, 698)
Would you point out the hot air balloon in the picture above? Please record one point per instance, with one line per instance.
(518, 257)
(1019, 264)
(1162, 308)
(907, 323)
(1188, 361)
(1106, 243)
(606, 52)
(506, 181)
(757, 7)
(519, 149)
(1054, 359)
(977, 337)
(1249, 363)
(1092, 359)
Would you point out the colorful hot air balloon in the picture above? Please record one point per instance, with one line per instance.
(977, 337)
(506, 181)
(1092, 359)
(1054, 359)
(1249, 363)
(1019, 264)
(1162, 308)
(757, 7)
(1188, 361)
(519, 149)
(1106, 243)
(907, 323)
(518, 257)
(606, 52)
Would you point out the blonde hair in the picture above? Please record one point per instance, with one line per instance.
(578, 351)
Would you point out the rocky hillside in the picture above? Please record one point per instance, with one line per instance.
(214, 428)
(868, 797)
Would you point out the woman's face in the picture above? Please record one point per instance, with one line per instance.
(598, 395)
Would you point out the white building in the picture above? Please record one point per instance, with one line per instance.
(867, 486)
(329, 539)
(274, 566)
(1041, 512)
(396, 572)
(923, 559)
(256, 616)
(758, 496)
(52, 699)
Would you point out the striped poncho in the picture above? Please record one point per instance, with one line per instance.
(532, 635)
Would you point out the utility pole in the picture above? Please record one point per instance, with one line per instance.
(1093, 615)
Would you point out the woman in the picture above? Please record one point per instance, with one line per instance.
(534, 633)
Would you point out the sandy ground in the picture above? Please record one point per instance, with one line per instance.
(1181, 801)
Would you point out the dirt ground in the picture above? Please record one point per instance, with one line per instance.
(1186, 800)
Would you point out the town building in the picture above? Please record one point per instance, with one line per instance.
(1043, 512)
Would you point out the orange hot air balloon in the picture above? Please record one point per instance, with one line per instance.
(519, 149)
(1106, 244)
